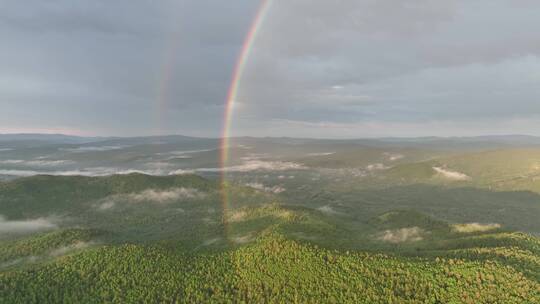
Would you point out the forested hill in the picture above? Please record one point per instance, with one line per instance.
(276, 270)
(138, 238)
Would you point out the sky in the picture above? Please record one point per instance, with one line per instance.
(317, 68)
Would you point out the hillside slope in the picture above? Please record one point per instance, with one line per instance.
(270, 270)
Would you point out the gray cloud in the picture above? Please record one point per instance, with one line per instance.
(104, 67)
(143, 67)
(386, 63)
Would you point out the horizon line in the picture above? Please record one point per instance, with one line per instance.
(269, 137)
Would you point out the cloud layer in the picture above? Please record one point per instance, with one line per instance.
(318, 68)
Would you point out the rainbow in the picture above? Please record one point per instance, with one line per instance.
(167, 67)
(241, 62)
(239, 68)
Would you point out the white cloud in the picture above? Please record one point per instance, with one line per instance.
(321, 154)
(159, 164)
(412, 234)
(181, 172)
(67, 249)
(244, 147)
(49, 163)
(275, 189)
(192, 151)
(25, 226)
(393, 156)
(94, 148)
(179, 157)
(109, 204)
(376, 167)
(254, 156)
(28, 259)
(11, 161)
(257, 186)
(327, 209)
(184, 154)
(98, 171)
(37, 162)
(242, 239)
(258, 165)
(61, 251)
(95, 171)
(355, 172)
(151, 195)
(19, 172)
(475, 227)
(166, 196)
(453, 175)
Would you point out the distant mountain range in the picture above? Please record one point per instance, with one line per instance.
(474, 142)
(50, 138)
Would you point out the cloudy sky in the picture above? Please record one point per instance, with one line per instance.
(318, 68)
